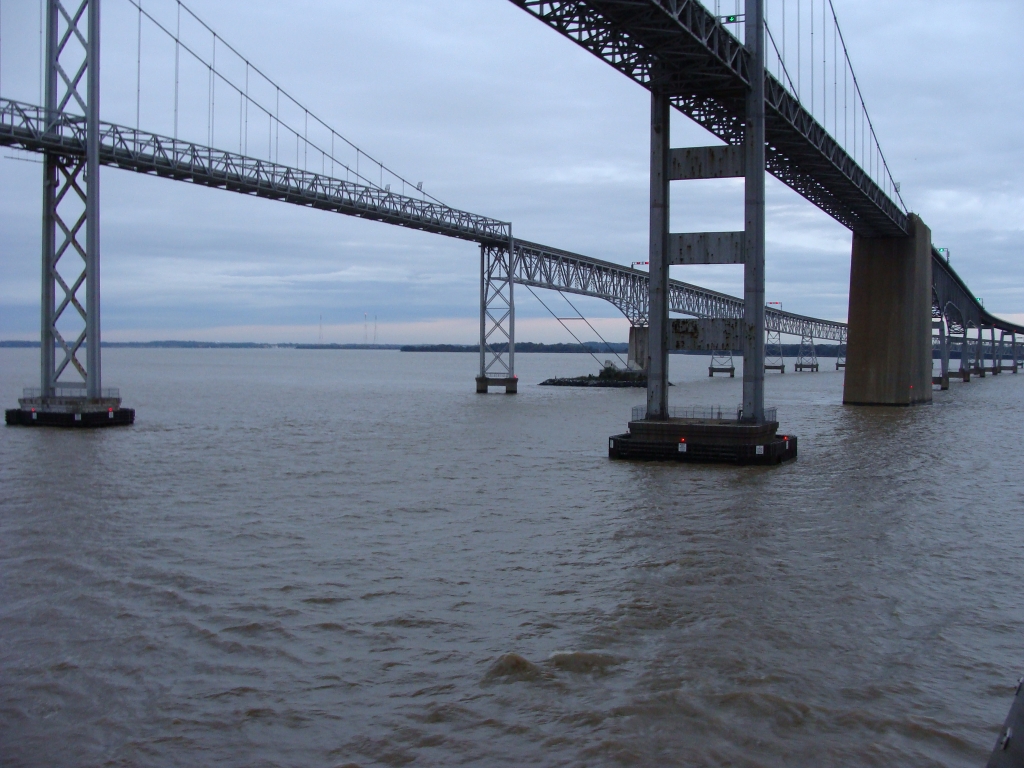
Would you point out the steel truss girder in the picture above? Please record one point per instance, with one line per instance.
(28, 127)
(705, 69)
(543, 267)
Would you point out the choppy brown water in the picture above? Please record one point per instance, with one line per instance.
(323, 558)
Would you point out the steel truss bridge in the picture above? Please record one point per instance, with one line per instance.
(676, 46)
(542, 267)
(682, 49)
(26, 127)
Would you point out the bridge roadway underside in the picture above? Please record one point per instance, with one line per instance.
(679, 48)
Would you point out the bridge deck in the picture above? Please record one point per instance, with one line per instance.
(678, 46)
(26, 126)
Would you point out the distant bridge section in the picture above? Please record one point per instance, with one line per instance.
(542, 267)
(952, 299)
(28, 127)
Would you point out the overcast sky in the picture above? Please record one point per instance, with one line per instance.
(499, 115)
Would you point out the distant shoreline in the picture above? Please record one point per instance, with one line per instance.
(523, 347)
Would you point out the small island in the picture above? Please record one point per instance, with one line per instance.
(610, 376)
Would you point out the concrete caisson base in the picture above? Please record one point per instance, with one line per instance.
(694, 440)
(483, 383)
(889, 353)
(113, 417)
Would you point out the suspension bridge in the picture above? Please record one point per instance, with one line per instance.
(740, 76)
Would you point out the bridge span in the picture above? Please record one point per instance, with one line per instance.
(729, 75)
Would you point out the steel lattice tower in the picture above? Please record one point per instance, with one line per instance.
(71, 205)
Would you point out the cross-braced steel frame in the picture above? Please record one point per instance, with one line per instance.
(71, 237)
(497, 317)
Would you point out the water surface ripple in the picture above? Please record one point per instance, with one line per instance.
(306, 558)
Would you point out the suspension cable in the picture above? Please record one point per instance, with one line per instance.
(279, 91)
(584, 346)
(584, 319)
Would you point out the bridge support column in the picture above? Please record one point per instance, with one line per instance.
(637, 355)
(1016, 364)
(996, 351)
(70, 391)
(979, 354)
(965, 358)
(889, 359)
(497, 319)
(657, 312)
(753, 268)
(943, 378)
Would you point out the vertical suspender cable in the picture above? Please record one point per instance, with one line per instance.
(799, 54)
(213, 91)
(783, 33)
(835, 80)
(177, 52)
(812, 58)
(138, 69)
(246, 152)
(42, 68)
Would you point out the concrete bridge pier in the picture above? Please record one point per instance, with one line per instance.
(995, 351)
(889, 349)
(636, 357)
(965, 360)
(943, 378)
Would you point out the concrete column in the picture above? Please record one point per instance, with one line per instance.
(943, 354)
(1015, 364)
(995, 362)
(753, 270)
(637, 356)
(979, 354)
(657, 311)
(965, 359)
(888, 357)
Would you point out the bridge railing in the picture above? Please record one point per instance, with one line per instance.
(30, 127)
(706, 413)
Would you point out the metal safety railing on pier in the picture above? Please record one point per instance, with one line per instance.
(705, 413)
